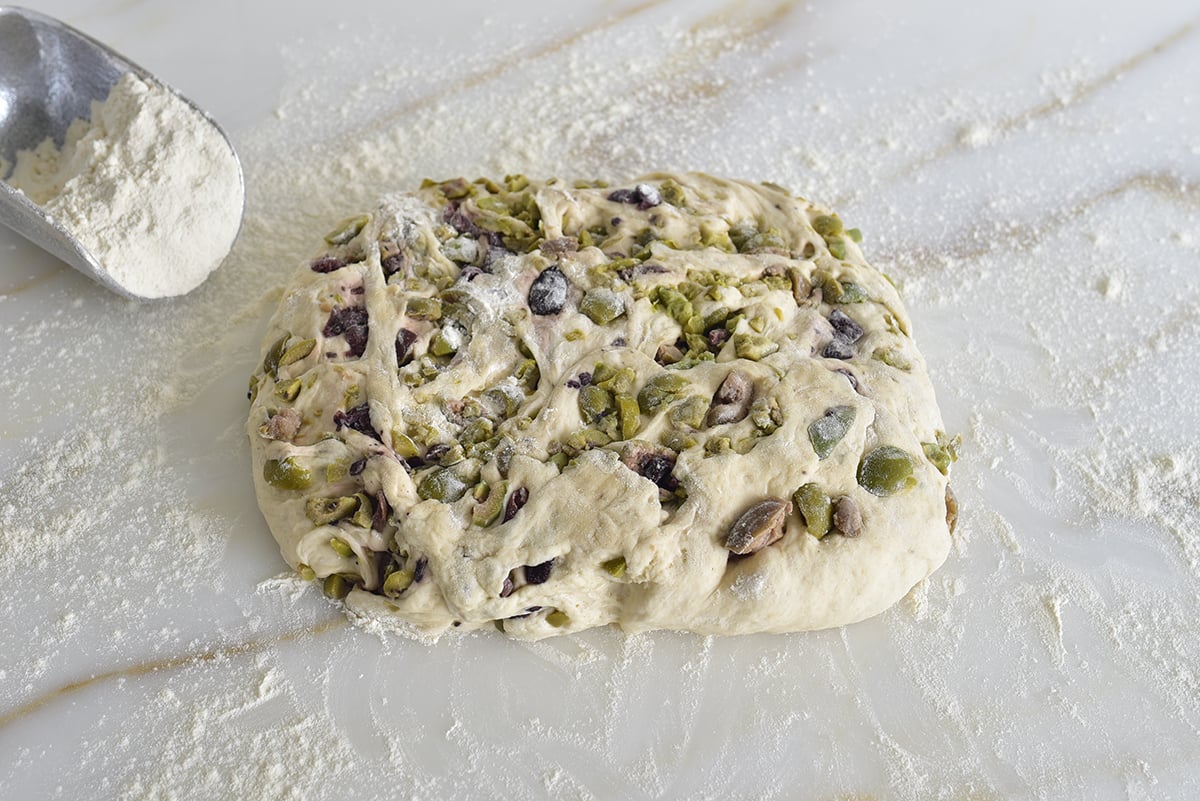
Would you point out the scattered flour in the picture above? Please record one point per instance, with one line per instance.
(749, 587)
(148, 186)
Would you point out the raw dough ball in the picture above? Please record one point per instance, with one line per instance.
(686, 403)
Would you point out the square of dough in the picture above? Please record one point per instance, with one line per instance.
(683, 403)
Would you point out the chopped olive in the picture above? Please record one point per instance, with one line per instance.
(815, 508)
(548, 292)
(661, 390)
(887, 470)
(828, 430)
(442, 485)
(337, 586)
(347, 229)
(286, 474)
(615, 567)
(602, 306)
(323, 511)
(594, 402)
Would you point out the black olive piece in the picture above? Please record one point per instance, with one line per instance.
(548, 292)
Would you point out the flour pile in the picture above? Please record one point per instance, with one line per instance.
(149, 187)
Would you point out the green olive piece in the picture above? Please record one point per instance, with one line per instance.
(892, 357)
(740, 234)
(711, 237)
(830, 286)
(337, 470)
(716, 446)
(296, 352)
(678, 441)
(619, 382)
(420, 308)
(397, 582)
(306, 572)
(753, 346)
(887, 470)
(629, 415)
(253, 393)
(943, 452)
(484, 513)
(286, 474)
(674, 302)
(602, 372)
(815, 508)
(496, 205)
(558, 618)
(529, 375)
(478, 430)
(602, 306)
(505, 398)
(323, 511)
(270, 364)
(404, 446)
(347, 229)
(288, 390)
(837, 247)
(442, 345)
(938, 456)
(614, 567)
(341, 547)
(770, 239)
(442, 485)
(690, 412)
(827, 225)
(828, 430)
(661, 390)
(337, 587)
(515, 233)
(586, 439)
(365, 512)
(594, 401)
(672, 192)
(456, 188)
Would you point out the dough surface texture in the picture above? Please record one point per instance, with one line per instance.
(684, 403)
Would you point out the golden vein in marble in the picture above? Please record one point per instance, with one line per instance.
(1082, 91)
(729, 15)
(1170, 187)
(32, 282)
(508, 64)
(163, 665)
(712, 37)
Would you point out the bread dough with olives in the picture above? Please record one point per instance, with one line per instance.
(683, 403)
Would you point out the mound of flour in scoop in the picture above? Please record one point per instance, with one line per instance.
(148, 186)
(684, 403)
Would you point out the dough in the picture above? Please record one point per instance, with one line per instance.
(684, 403)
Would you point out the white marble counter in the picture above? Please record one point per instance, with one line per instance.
(1028, 172)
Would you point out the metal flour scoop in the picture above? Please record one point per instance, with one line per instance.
(49, 75)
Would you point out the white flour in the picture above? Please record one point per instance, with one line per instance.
(147, 185)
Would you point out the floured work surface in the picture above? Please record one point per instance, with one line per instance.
(684, 403)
